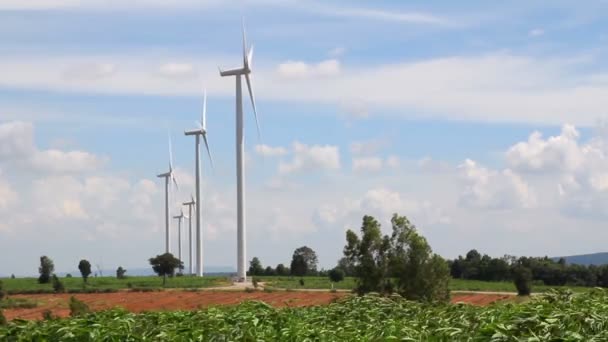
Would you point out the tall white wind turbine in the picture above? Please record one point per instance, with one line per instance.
(190, 204)
(179, 218)
(198, 132)
(168, 175)
(245, 70)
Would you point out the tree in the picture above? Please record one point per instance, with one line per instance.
(405, 255)
(57, 284)
(304, 262)
(336, 275)
(255, 267)
(120, 272)
(345, 265)
(165, 264)
(85, 269)
(46, 269)
(12, 276)
(269, 271)
(2, 292)
(281, 270)
(522, 277)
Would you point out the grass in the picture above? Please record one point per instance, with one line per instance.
(75, 284)
(455, 284)
(17, 303)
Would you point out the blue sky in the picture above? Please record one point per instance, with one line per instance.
(424, 108)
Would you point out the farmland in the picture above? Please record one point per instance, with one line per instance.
(557, 316)
(75, 284)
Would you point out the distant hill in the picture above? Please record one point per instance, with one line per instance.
(586, 259)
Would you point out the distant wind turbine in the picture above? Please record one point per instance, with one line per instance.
(245, 70)
(179, 218)
(190, 204)
(168, 175)
(201, 130)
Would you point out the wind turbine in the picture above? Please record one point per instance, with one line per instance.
(245, 70)
(179, 218)
(190, 204)
(168, 175)
(201, 130)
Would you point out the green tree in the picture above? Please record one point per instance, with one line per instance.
(85, 269)
(255, 267)
(57, 284)
(2, 292)
(304, 262)
(165, 264)
(46, 269)
(336, 275)
(522, 277)
(269, 271)
(281, 270)
(120, 272)
(421, 274)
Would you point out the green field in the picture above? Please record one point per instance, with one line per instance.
(20, 285)
(455, 284)
(555, 317)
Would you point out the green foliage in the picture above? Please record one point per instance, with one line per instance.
(57, 285)
(336, 275)
(522, 277)
(304, 262)
(78, 307)
(3, 320)
(255, 282)
(47, 315)
(18, 303)
(255, 267)
(85, 269)
(301, 281)
(559, 316)
(281, 270)
(2, 291)
(120, 273)
(68, 275)
(405, 256)
(165, 264)
(46, 269)
(12, 276)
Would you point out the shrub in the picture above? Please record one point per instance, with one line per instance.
(47, 315)
(68, 275)
(522, 277)
(12, 276)
(301, 281)
(57, 284)
(254, 280)
(336, 275)
(2, 292)
(2, 319)
(78, 307)
(249, 290)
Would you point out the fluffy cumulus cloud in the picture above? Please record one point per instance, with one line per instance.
(311, 158)
(19, 148)
(490, 189)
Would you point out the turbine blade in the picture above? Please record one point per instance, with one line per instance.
(174, 181)
(208, 151)
(245, 64)
(170, 152)
(255, 112)
(250, 57)
(192, 199)
(204, 117)
(198, 124)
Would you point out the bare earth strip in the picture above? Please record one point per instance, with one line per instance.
(192, 300)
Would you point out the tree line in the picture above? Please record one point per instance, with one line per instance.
(545, 270)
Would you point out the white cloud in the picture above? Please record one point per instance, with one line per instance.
(177, 70)
(89, 71)
(393, 162)
(557, 153)
(270, 151)
(336, 52)
(60, 161)
(489, 189)
(311, 158)
(537, 32)
(367, 164)
(299, 69)
(367, 147)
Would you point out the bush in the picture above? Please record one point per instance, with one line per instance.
(2, 319)
(2, 292)
(254, 280)
(47, 315)
(68, 275)
(336, 275)
(78, 307)
(57, 285)
(12, 276)
(522, 277)
(301, 281)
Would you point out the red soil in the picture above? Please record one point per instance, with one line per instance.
(184, 300)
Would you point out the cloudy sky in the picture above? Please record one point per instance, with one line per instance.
(486, 125)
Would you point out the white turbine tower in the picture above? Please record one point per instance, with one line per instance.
(240, 151)
(168, 175)
(179, 218)
(190, 204)
(198, 132)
